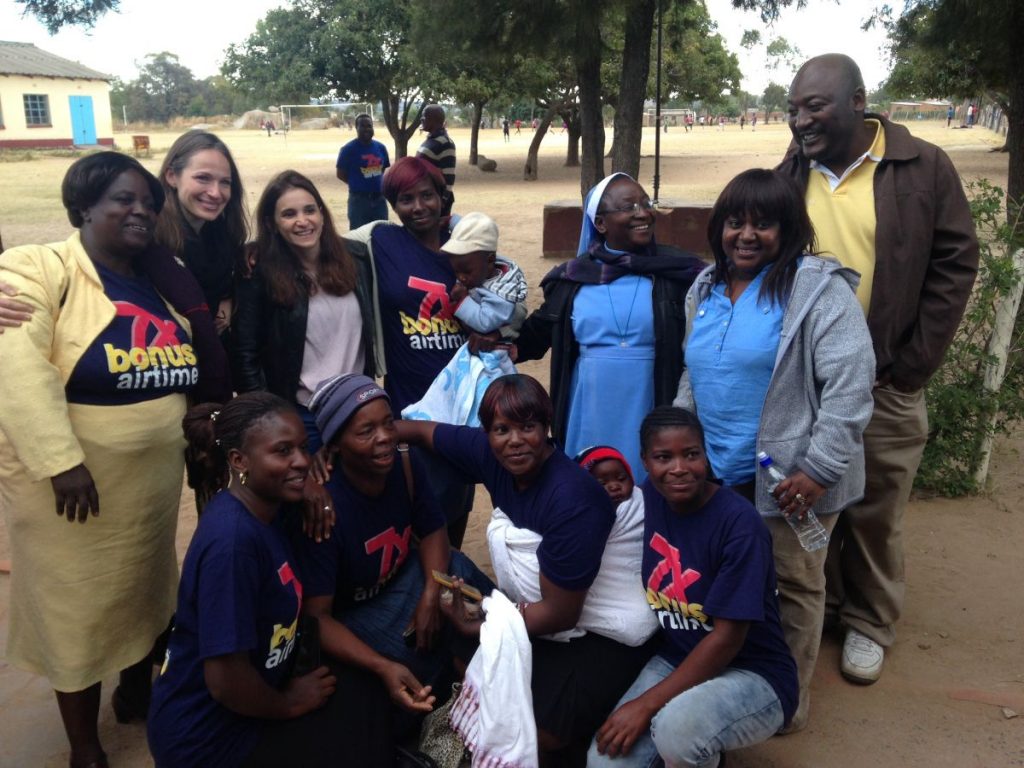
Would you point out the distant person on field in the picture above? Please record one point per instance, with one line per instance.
(361, 165)
(949, 116)
(519, 124)
(892, 207)
(504, 128)
(439, 150)
(753, 122)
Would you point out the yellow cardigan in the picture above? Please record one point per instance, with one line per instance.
(71, 309)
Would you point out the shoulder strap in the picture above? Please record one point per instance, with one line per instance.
(410, 485)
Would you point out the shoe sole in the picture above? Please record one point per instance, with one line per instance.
(850, 677)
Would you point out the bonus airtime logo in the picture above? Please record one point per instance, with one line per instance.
(432, 331)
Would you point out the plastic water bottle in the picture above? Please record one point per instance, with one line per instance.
(809, 530)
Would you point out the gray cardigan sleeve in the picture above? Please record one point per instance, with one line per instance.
(843, 360)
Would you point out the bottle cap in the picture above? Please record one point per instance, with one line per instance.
(764, 459)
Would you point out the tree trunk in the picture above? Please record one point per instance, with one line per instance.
(572, 152)
(397, 121)
(588, 77)
(636, 67)
(530, 168)
(474, 135)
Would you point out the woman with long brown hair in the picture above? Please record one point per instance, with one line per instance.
(301, 317)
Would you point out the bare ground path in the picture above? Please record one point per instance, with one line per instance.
(959, 657)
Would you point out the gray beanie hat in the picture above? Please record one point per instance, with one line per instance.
(338, 397)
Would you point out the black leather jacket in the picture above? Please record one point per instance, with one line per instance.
(550, 327)
(269, 339)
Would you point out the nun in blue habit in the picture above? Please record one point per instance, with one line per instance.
(614, 321)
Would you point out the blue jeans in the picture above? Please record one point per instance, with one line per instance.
(736, 709)
(364, 208)
(380, 621)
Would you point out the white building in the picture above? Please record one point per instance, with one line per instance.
(47, 101)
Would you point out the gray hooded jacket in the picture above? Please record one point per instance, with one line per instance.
(819, 399)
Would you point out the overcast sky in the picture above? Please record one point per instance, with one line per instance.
(199, 31)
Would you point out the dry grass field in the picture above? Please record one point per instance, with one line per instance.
(959, 658)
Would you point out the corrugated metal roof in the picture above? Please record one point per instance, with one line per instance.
(26, 59)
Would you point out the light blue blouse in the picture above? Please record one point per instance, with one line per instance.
(730, 356)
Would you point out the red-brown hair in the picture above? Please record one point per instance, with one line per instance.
(406, 173)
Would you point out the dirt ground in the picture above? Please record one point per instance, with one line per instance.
(954, 680)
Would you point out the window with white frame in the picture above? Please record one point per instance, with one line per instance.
(37, 109)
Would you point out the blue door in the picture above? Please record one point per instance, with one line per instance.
(83, 123)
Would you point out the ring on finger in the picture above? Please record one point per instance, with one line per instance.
(800, 499)
(327, 509)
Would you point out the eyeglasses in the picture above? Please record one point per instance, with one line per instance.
(644, 205)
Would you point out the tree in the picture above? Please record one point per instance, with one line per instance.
(365, 50)
(274, 64)
(966, 48)
(774, 97)
(635, 69)
(471, 74)
(341, 48)
(169, 85)
(57, 14)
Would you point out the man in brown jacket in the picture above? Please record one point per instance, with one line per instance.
(892, 207)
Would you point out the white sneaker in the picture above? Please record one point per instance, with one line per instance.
(862, 658)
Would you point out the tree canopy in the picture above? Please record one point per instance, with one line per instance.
(57, 14)
(965, 49)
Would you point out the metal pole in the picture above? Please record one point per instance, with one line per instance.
(657, 108)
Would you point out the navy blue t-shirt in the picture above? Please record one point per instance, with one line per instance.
(238, 592)
(371, 536)
(716, 562)
(421, 333)
(364, 165)
(565, 505)
(144, 353)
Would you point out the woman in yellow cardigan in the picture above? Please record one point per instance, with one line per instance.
(93, 395)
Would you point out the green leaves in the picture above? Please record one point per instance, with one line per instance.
(960, 408)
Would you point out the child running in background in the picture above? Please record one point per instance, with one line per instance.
(490, 294)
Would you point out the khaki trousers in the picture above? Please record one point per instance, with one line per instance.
(801, 580)
(864, 569)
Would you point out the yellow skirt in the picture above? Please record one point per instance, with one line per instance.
(89, 599)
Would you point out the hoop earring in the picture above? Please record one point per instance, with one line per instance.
(242, 477)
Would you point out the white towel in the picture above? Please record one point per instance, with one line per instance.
(494, 710)
(616, 604)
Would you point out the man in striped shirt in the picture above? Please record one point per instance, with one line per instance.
(439, 149)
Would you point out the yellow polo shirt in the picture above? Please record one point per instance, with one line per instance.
(842, 209)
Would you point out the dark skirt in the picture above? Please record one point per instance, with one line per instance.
(576, 685)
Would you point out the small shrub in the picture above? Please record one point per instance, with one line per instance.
(960, 408)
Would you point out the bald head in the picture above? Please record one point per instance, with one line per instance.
(840, 69)
(433, 118)
(826, 111)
